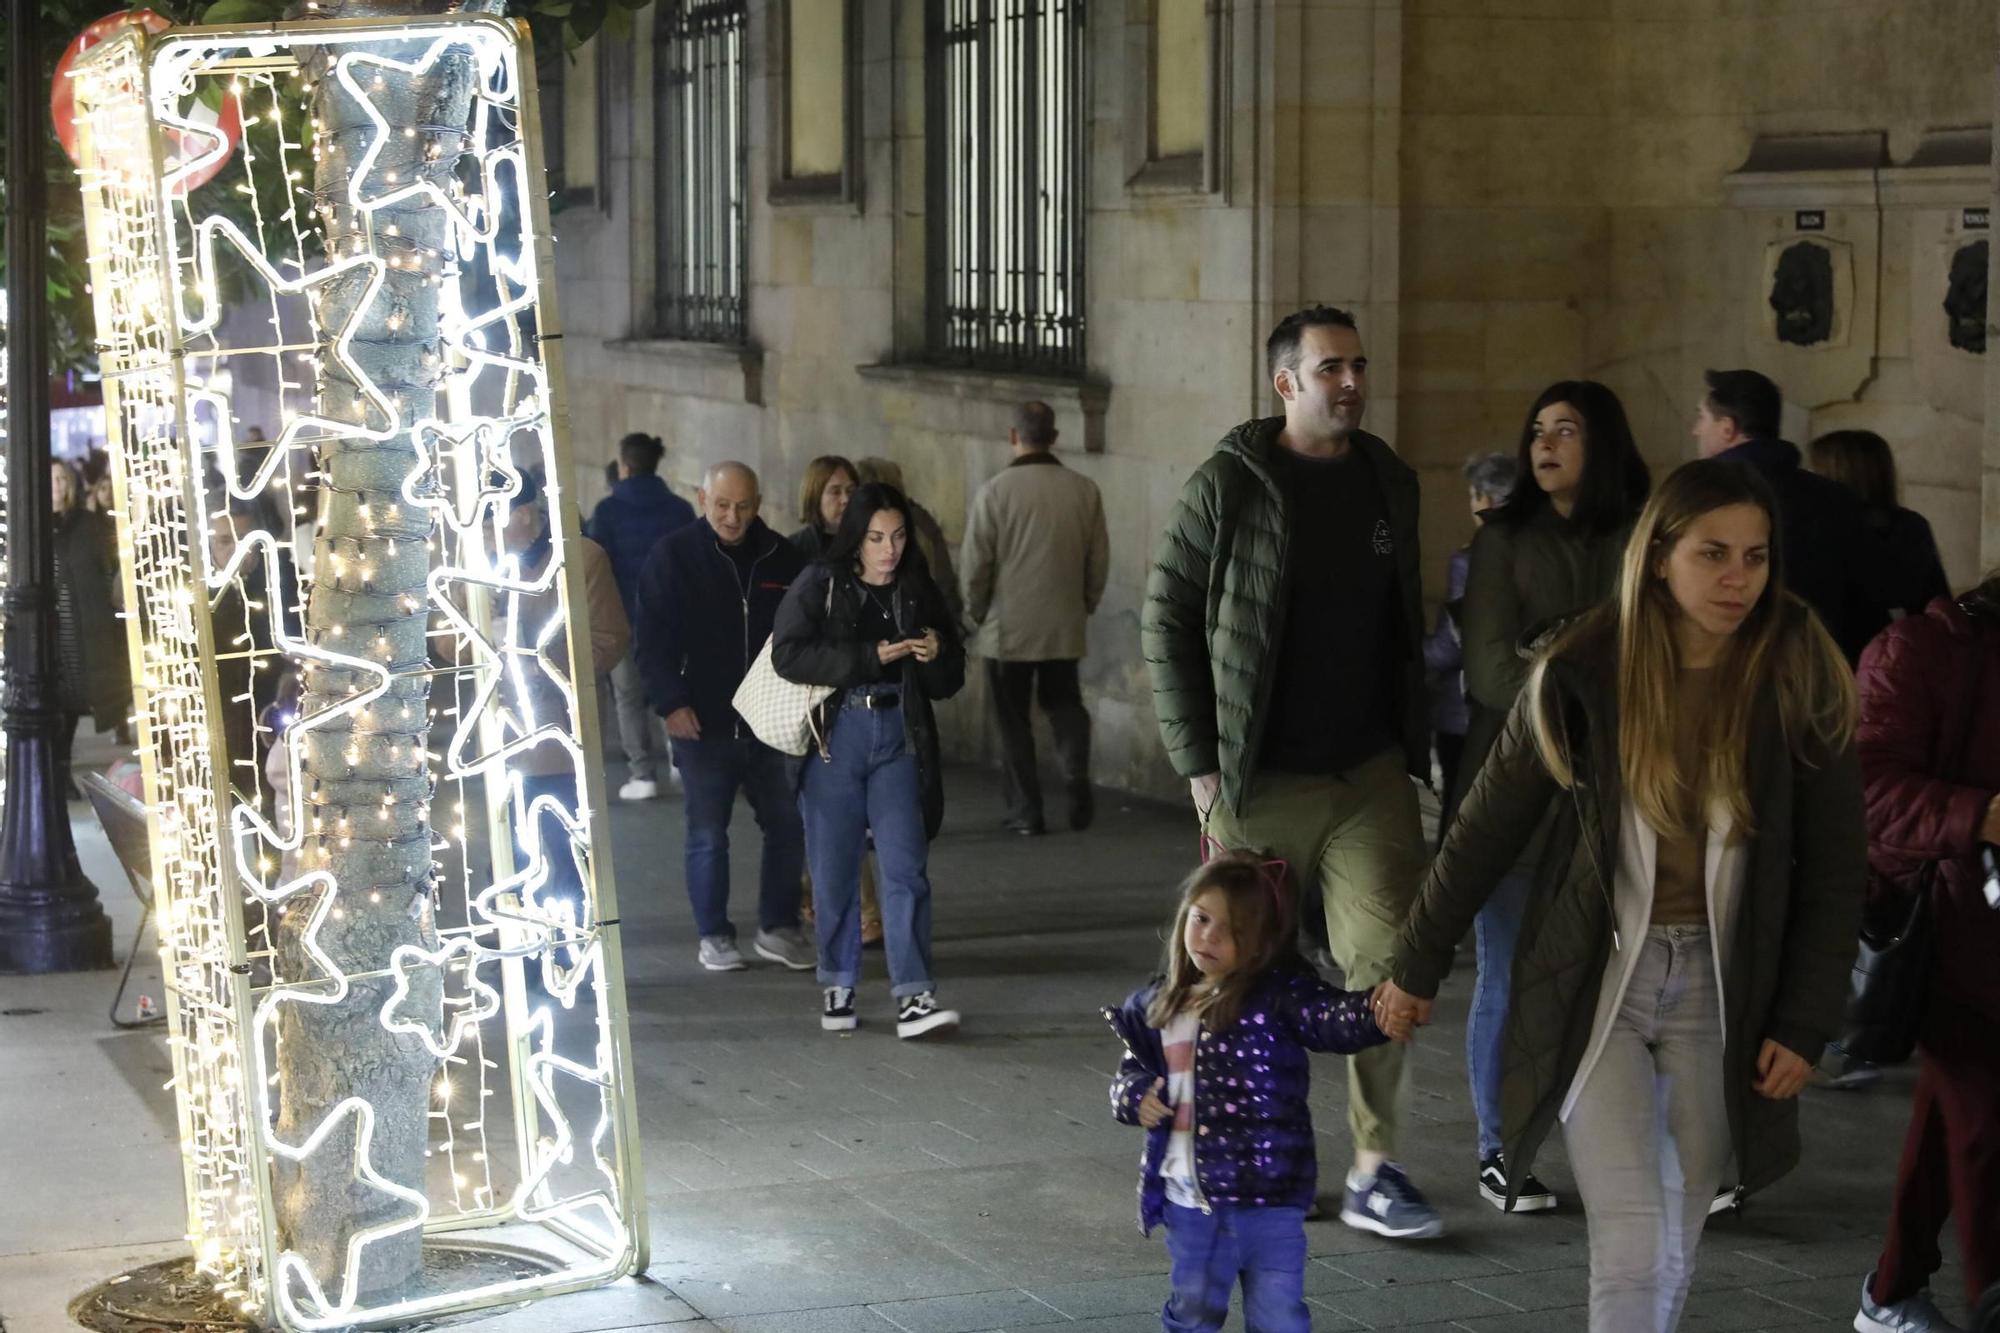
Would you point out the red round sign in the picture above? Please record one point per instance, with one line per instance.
(182, 146)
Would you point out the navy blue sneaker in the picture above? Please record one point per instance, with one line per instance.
(1389, 1205)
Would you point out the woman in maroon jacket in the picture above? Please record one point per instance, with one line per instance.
(1914, 686)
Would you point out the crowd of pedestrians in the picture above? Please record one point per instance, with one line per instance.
(1665, 799)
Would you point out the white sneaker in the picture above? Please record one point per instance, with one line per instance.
(786, 947)
(837, 1012)
(639, 789)
(718, 953)
(1912, 1314)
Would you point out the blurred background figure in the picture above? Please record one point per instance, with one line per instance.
(628, 524)
(1489, 479)
(90, 639)
(1909, 568)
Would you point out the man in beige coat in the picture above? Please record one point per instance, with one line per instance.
(1033, 566)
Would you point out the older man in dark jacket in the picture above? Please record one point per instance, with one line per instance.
(628, 524)
(1283, 632)
(707, 599)
(1822, 528)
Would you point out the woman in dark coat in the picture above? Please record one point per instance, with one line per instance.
(868, 621)
(1906, 553)
(96, 671)
(1920, 701)
(1551, 550)
(1684, 952)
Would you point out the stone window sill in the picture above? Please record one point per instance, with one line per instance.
(723, 371)
(1087, 397)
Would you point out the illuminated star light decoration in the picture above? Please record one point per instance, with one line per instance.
(200, 293)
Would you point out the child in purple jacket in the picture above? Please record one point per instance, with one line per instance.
(1215, 1071)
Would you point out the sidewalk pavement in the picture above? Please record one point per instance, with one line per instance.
(804, 1182)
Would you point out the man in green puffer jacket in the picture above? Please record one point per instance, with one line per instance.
(1282, 630)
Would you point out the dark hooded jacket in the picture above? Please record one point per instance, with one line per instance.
(628, 524)
(1799, 906)
(1827, 547)
(817, 641)
(1214, 611)
(1254, 1145)
(704, 613)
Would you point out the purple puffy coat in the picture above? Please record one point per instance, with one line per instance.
(1253, 1129)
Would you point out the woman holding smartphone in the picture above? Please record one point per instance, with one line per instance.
(867, 620)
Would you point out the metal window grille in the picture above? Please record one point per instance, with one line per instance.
(701, 171)
(1006, 92)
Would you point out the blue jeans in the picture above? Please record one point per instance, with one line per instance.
(564, 883)
(1494, 931)
(1264, 1247)
(711, 772)
(869, 783)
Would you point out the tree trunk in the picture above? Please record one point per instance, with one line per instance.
(367, 779)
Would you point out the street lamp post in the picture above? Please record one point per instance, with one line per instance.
(50, 919)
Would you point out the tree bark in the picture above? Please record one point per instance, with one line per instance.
(367, 779)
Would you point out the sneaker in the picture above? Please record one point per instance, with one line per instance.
(1533, 1198)
(1912, 1314)
(1725, 1200)
(1021, 824)
(1389, 1205)
(919, 1014)
(718, 954)
(639, 789)
(837, 1014)
(787, 946)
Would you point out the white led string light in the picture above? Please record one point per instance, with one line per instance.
(227, 867)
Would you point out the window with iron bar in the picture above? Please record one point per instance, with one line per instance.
(701, 167)
(1006, 184)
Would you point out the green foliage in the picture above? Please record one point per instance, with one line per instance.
(244, 13)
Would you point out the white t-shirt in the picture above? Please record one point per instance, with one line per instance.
(1177, 1040)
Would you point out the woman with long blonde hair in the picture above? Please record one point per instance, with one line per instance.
(1683, 955)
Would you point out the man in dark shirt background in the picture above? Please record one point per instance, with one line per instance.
(1822, 529)
(1296, 709)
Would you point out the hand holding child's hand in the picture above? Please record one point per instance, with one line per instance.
(1152, 1111)
(1397, 1012)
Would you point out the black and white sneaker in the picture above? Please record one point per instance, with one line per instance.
(838, 1013)
(1534, 1197)
(919, 1014)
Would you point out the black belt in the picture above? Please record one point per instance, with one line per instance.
(872, 700)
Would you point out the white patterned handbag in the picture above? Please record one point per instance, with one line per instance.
(783, 714)
(780, 712)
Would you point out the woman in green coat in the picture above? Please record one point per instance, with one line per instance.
(1684, 949)
(1551, 550)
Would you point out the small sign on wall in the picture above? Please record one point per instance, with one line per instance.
(1809, 219)
(1975, 219)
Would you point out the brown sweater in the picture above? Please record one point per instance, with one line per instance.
(1680, 875)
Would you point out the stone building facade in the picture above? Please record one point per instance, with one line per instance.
(1506, 192)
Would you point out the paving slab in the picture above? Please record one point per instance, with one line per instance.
(803, 1183)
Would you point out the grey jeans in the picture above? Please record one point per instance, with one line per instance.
(641, 733)
(1648, 1136)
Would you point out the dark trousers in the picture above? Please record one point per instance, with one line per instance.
(712, 772)
(1951, 1163)
(1015, 685)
